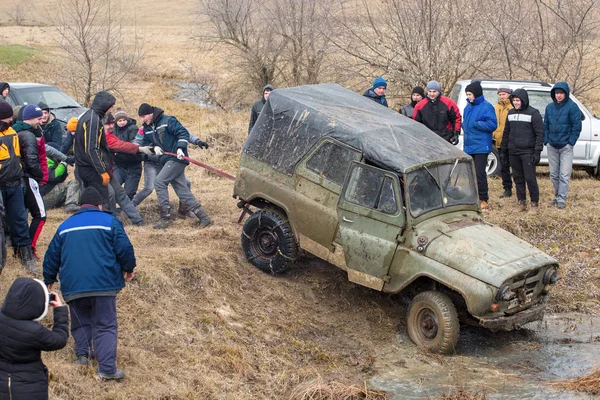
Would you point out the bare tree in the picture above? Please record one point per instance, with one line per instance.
(100, 51)
(18, 14)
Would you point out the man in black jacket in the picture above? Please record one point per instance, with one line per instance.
(439, 113)
(51, 127)
(257, 107)
(523, 139)
(23, 375)
(92, 155)
(33, 169)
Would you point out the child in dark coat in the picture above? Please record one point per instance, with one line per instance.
(23, 375)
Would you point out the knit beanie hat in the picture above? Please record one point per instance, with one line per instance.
(90, 196)
(43, 106)
(6, 110)
(145, 109)
(418, 90)
(108, 119)
(121, 114)
(379, 82)
(505, 90)
(434, 85)
(18, 111)
(475, 88)
(31, 111)
(72, 124)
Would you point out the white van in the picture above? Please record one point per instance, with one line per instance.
(586, 152)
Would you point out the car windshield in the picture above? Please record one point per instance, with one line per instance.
(53, 97)
(434, 187)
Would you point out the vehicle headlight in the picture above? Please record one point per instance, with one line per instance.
(550, 276)
(505, 294)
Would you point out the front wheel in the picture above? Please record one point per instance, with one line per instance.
(493, 163)
(433, 322)
(268, 241)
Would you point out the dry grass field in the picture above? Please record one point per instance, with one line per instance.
(199, 322)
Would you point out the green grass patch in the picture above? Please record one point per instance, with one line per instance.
(13, 55)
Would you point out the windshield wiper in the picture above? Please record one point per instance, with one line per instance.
(450, 175)
(435, 180)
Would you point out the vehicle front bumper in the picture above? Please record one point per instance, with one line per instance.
(515, 321)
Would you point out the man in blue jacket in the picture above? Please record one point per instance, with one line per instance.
(95, 258)
(562, 126)
(167, 134)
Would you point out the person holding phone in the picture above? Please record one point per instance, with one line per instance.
(23, 375)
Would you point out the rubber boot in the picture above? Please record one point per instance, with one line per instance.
(27, 259)
(203, 218)
(165, 218)
(184, 211)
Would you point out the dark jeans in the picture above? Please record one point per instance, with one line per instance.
(130, 176)
(505, 171)
(16, 214)
(94, 328)
(524, 173)
(480, 166)
(89, 177)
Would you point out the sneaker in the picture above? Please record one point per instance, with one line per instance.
(506, 193)
(553, 203)
(81, 360)
(116, 376)
(483, 204)
(560, 205)
(522, 205)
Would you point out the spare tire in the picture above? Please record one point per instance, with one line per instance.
(268, 241)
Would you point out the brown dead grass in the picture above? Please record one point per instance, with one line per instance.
(335, 390)
(461, 394)
(588, 384)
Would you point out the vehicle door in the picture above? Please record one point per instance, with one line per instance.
(318, 179)
(371, 219)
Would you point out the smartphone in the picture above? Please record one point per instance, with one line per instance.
(51, 297)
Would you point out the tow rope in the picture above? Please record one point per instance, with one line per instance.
(205, 166)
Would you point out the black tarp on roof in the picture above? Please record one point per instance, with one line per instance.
(293, 120)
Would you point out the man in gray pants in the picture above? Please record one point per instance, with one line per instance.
(166, 133)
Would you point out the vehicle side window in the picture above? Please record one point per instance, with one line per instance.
(454, 93)
(372, 189)
(332, 161)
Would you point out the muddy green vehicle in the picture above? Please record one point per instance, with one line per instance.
(388, 201)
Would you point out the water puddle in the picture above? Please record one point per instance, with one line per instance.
(194, 92)
(506, 365)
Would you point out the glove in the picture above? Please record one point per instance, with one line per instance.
(146, 150)
(201, 144)
(105, 178)
(180, 153)
(71, 160)
(535, 158)
(454, 139)
(158, 151)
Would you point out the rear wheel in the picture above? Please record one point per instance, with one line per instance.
(433, 322)
(268, 241)
(493, 163)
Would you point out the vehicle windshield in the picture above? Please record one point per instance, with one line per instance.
(53, 97)
(446, 185)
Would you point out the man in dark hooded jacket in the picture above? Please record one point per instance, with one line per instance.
(23, 375)
(4, 90)
(257, 107)
(167, 134)
(562, 127)
(523, 139)
(128, 168)
(377, 91)
(92, 155)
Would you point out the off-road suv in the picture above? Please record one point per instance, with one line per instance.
(387, 200)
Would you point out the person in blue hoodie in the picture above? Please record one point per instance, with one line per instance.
(377, 91)
(479, 123)
(562, 127)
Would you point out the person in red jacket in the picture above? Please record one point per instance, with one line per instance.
(439, 113)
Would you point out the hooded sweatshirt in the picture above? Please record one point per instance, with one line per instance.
(524, 129)
(257, 108)
(562, 121)
(22, 372)
(3, 85)
(91, 149)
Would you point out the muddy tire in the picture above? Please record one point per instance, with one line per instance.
(268, 241)
(433, 322)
